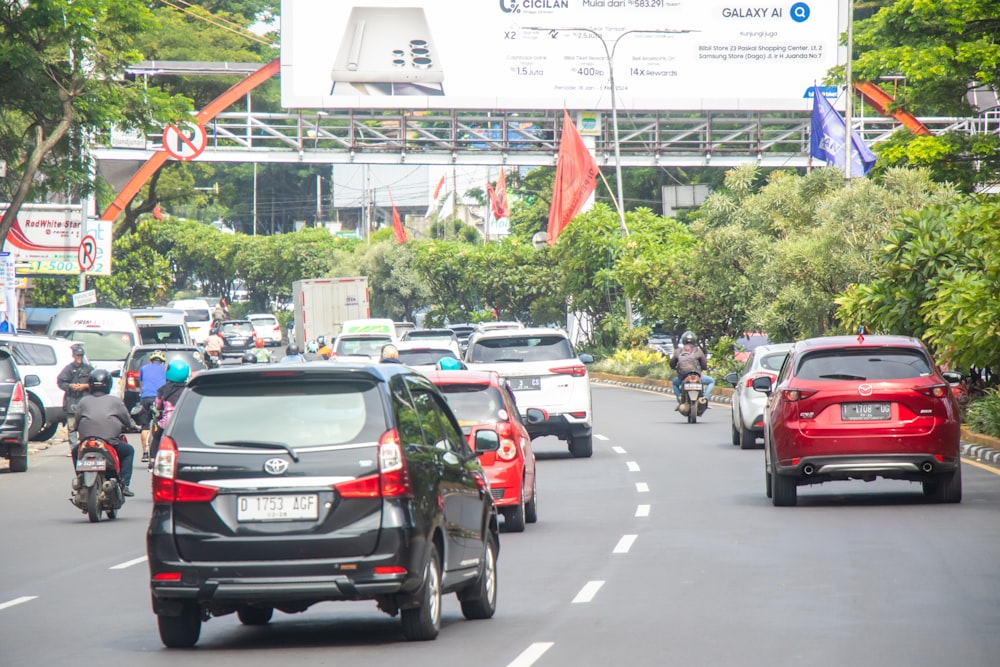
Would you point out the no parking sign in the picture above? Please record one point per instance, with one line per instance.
(184, 142)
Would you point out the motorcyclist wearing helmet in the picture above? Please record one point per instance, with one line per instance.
(152, 376)
(324, 349)
(260, 352)
(178, 372)
(450, 364)
(248, 357)
(689, 358)
(312, 351)
(293, 354)
(101, 415)
(389, 354)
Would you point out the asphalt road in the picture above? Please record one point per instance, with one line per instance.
(660, 550)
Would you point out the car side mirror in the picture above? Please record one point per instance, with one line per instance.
(31, 380)
(487, 440)
(762, 384)
(732, 378)
(535, 415)
(587, 358)
(953, 377)
(117, 373)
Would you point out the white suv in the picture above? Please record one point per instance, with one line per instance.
(544, 372)
(44, 356)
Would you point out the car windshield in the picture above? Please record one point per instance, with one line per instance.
(772, 362)
(473, 403)
(237, 328)
(312, 413)
(424, 357)
(371, 347)
(521, 348)
(102, 345)
(862, 364)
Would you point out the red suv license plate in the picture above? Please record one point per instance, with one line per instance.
(861, 412)
(277, 508)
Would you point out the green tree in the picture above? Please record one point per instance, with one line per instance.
(396, 289)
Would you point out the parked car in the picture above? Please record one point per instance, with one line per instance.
(139, 357)
(748, 405)
(267, 327)
(424, 356)
(364, 489)
(237, 337)
(543, 372)
(482, 401)
(14, 412)
(359, 346)
(44, 356)
(846, 407)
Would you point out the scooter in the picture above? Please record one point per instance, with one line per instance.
(693, 402)
(97, 486)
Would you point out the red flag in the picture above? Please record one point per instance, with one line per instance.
(157, 213)
(435, 198)
(576, 177)
(397, 224)
(498, 198)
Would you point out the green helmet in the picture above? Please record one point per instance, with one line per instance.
(178, 371)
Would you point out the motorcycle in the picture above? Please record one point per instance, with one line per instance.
(97, 486)
(693, 402)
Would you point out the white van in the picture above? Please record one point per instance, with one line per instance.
(107, 334)
(199, 317)
(162, 325)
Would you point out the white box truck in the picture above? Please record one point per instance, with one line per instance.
(321, 305)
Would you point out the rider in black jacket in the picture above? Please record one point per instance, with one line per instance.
(101, 415)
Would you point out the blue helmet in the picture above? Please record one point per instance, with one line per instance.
(178, 371)
(449, 364)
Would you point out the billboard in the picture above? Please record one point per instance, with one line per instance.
(50, 239)
(554, 54)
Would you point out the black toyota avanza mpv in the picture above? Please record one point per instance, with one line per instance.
(282, 486)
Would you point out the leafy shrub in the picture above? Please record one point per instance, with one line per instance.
(722, 359)
(983, 414)
(637, 362)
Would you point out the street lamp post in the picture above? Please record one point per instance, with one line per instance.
(609, 54)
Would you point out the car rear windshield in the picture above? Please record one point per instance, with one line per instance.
(473, 403)
(8, 373)
(861, 364)
(418, 334)
(264, 321)
(33, 354)
(161, 333)
(772, 362)
(521, 348)
(424, 357)
(371, 347)
(237, 327)
(197, 315)
(297, 412)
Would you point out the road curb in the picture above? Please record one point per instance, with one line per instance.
(983, 453)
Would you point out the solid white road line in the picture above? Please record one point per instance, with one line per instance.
(588, 592)
(632, 466)
(618, 450)
(624, 544)
(641, 487)
(128, 563)
(642, 510)
(530, 655)
(600, 437)
(17, 601)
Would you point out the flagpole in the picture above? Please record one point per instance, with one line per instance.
(849, 134)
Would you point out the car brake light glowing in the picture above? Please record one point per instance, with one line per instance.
(17, 405)
(166, 488)
(575, 371)
(796, 394)
(389, 569)
(167, 576)
(132, 380)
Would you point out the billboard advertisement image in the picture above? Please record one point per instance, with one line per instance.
(554, 54)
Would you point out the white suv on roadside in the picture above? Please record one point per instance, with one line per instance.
(44, 356)
(544, 372)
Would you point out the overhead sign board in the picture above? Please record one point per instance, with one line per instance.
(536, 54)
(84, 298)
(45, 239)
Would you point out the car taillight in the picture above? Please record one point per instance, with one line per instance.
(391, 481)
(575, 371)
(17, 406)
(508, 448)
(934, 391)
(167, 489)
(796, 394)
(751, 378)
(132, 380)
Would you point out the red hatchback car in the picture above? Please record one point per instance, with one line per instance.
(481, 400)
(846, 407)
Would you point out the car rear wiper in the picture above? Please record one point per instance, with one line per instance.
(260, 444)
(842, 376)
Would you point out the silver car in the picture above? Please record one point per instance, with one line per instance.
(748, 405)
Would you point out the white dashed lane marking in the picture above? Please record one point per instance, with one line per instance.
(128, 563)
(588, 592)
(530, 655)
(632, 466)
(642, 510)
(600, 437)
(17, 601)
(618, 450)
(641, 487)
(624, 544)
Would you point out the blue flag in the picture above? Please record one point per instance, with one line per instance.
(828, 135)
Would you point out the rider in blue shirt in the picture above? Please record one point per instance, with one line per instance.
(152, 376)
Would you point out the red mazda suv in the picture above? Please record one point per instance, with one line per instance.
(481, 400)
(860, 407)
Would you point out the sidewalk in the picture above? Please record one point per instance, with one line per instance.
(976, 446)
